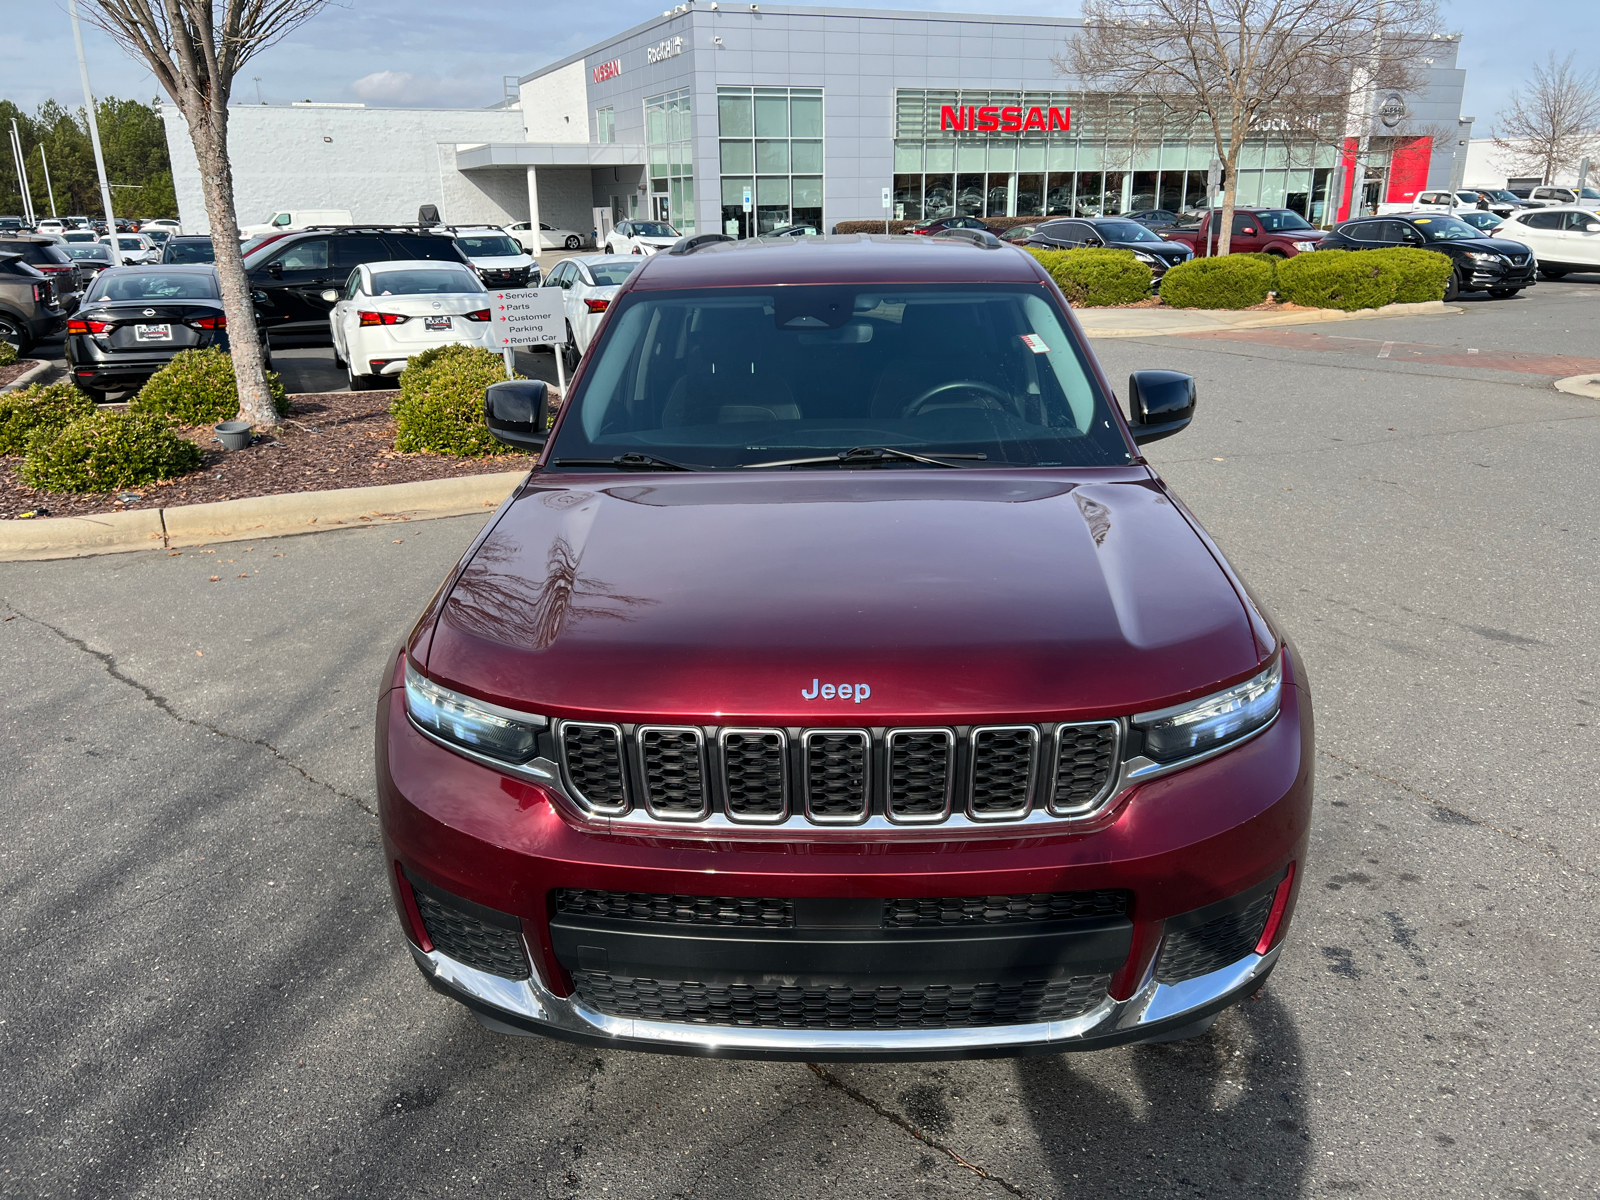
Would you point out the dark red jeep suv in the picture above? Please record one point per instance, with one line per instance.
(843, 683)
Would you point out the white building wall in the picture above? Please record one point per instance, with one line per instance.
(379, 163)
(1490, 166)
(555, 107)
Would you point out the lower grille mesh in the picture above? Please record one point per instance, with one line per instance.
(1190, 953)
(1001, 910)
(466, 939)
(933, 1006)
(763, 911)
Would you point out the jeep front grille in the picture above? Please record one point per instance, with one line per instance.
(989, 774)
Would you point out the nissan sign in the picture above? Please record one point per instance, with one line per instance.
(1393, 110)
(607, 70)
(993, 119)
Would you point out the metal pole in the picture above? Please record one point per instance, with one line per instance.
(16, 157)
(22, 175)
(561, 372)
(45, 162)
(509, 355)
(94, 136)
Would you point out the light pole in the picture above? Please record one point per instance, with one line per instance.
(50, 191)
(22, 174)
(94, 137)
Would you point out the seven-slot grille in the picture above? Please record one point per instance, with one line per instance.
(843, 777)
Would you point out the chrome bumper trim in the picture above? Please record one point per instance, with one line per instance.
(529, 1002)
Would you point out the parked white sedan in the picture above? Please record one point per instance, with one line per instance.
(392, 310)
(549, 239)
(135, 248)
(641, 237)
(1562, 239)
(589, 283)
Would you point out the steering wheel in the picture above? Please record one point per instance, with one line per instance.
(994, 397)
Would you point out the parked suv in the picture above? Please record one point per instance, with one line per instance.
(1115, 233)
(29, 310)
(298, 278)
(843, 682)
(496, 256)
(49, 257)
(1498, 266)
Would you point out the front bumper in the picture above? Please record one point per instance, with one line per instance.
(1483, 276)
(1153, 1011)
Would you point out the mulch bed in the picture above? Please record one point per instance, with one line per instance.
(330, 440)
(12, 370)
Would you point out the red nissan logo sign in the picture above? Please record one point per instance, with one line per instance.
(607, 70)
(992, 118)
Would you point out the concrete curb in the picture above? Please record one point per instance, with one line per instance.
(256, 517)
(40, 367)
(1159, 322)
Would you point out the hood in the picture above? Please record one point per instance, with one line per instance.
(1498, 245)
(1173, 250)
(503, 262)
(716, 599)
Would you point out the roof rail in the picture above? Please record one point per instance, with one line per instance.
(981, 238)
(366, 227)
(689, 245)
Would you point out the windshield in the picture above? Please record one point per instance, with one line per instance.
(611, 274)
(153, 285)
(424, 282)
(1126, 231)
(182, 251)
(496, 245)
(130, 243)
(1279, 220)
(653, 229)
(1502, 194)
(91, 253)
(730, 377)
(1445, 229)
(1590, 194)
(157, 235)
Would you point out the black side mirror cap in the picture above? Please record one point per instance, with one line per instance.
(275, 270)
(1160, 404)
(517, 412)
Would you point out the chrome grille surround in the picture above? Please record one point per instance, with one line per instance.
(921, 774)
(610, 796)
(864, 767)
(835, 775)
(1099, 739)
(992, 771)
(754, 775)
(672, 771)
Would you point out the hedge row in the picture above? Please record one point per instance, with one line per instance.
(440, 406)
(198, 388)
(1095, 278)
(1341, 279)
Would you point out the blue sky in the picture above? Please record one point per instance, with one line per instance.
(428, 54)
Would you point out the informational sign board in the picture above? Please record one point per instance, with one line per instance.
(528, 317)
(887, 201)
(747, 199)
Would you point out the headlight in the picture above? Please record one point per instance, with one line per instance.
(1201, 725)
(1143, 257)
(1304, 246)
(485, 728)
(1482, 258)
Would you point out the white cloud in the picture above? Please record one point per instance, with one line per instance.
(390, 87)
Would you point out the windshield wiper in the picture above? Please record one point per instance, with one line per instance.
(864, 455)
(631, 461)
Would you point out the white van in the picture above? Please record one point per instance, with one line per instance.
(286, 219)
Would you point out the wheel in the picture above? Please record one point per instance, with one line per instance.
(1503, 293)
(1452, 287)
(17, 334)
(358, 383)
(1552, 276)
(574, 242)
(338, 359)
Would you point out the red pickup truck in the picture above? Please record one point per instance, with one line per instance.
(1280, 231)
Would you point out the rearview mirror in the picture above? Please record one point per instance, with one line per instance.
(516, 412)
(1160, 404)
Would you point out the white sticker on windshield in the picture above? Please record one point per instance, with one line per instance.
(1035, 343)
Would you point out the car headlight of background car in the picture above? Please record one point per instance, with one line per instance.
(471, 724)
(1145, 258)
(1212, 721)
(1304, 246)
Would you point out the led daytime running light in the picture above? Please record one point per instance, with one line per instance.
(1189, 729)
(472, 724)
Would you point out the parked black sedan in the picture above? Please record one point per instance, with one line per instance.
(188, 249)
(1483, 264)
(134, 319)
(1115, 233)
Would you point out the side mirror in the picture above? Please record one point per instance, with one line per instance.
(275, 269)
(516, 412)
(1160, 404)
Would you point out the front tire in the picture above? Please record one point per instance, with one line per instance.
(1552, 276)
(1452, 287)
(358, 383)
(574, 242)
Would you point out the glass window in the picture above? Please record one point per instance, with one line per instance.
(805, 115)
(907, 156)
(805, 158)
(305, 256)
(144, 285)
(770, 141)
(772, 157)
(772, 116)
(741, 377)
(437, 281)
(605, 125)
(670, 154)
(733, 112)
(737, 158)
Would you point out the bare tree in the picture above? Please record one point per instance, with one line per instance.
(1556, 123)
(1234, 65)
(195, 48)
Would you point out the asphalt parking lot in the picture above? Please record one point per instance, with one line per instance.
(205, 991)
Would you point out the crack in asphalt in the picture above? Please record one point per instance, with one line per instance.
(108, 663)
(888, 1114)
(1455, 816)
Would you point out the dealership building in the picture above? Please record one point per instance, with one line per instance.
(742, 118)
